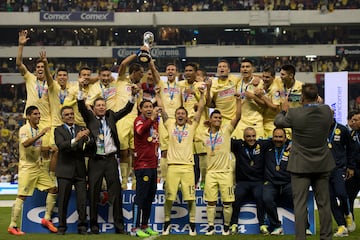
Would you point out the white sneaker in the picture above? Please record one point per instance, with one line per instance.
(350, 223)
(210, 231)
(167, 228)
(308, 232)
(278, 231)
(341, 232)
(192, 229)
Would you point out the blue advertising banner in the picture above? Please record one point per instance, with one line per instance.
(156, 52)
(76, 16)
(34, 209)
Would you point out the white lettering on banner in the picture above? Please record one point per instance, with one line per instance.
(126, 52)
(157, 52)
(55, 16)
(94, 16)
(106, 226)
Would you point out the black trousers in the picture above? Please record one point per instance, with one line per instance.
(105, 167)
(63, 197)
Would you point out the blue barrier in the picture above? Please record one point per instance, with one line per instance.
(34, 209)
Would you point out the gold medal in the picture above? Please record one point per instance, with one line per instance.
(330, 145)
(149, 139)
(277, 168)
(252, 163)
(101, 136)
(212, 153)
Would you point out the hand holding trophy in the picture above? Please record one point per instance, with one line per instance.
(144, 54)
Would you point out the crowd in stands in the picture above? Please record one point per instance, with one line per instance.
(11, 120)
(174, 5)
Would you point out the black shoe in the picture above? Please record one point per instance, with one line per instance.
(82, 232)
(60, 232)
(94, 230)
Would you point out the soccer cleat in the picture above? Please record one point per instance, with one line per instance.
(151, 232)
(341, 232)
(15, 231)
(202, 185)
(49, 225)
(350, 224)
(167, 228)
(277, 231)
(308, 232)
(192, 230)
(210, 231)
(226, 230)
(234, 229)
(264, 230)
(140, 233)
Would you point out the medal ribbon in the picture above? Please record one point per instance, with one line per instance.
(250, 154)
(104, 91)
(277, 157)
(40, 88)
(213, 141)
(62, 96)
(179, 134)
(33, 135)
(171, 90)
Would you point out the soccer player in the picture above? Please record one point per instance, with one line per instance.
(104, 88)
(38, 95)
(83, 86)
(219, 175)
(251, 104)
(271, 95)
(171, 98)
(31, 173)
(146, 139)
(125, 126)
(181, 161)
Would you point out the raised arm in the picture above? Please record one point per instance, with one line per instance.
(160, 104)
(28, 142)
(125, 63)
(49, 78)
(154, 71)
(19, 58)
(201, 105)
(237, 118)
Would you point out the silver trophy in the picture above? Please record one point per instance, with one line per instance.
(144, 56)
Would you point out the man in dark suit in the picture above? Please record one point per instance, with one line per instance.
(310, 160)
(70, 168)
(103, 163)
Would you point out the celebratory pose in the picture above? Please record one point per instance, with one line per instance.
(31, 173)
(146, 138)
(181, 161)
(219, 175)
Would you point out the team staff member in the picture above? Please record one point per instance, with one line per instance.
(125, 126)
(38, 95)
(341, 147)
(310, 161)
(146, 138)
(353, 184)
(249, 175)
(219, 175)
(31, 174)
(277, 185)
(181, 161)
(172, 99)
(70, 168)
(103, 163)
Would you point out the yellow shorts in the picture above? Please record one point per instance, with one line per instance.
(182, 176)
(125, 130)
(33, 177)
(219, 181)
